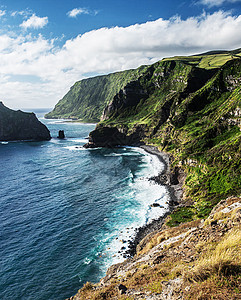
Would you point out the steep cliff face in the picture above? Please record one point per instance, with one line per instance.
(18, 125)
(129, 96)
(152, 96)
(87, 98)
(143, 105)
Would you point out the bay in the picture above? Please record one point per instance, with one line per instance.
(66, 210)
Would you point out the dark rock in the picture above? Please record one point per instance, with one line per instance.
(214, 223)
(158, 259)
(174, 176)
(129, 96)
(156, 205)
(109, 137)
(105, 137)
(122, 289)
(61, 134)
(18, 125)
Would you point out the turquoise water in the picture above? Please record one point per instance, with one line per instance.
(65, 210)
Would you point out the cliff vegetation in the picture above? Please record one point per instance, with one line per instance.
(87, 98)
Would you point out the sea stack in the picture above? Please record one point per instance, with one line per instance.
(61, 134)
(18, 125)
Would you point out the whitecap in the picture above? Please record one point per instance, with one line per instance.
(77, 140)
(87, 261)
(140, 211)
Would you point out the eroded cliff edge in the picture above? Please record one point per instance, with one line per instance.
(18, 125)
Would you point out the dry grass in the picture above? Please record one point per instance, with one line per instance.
(224, 216)
(166, 234)
(225, 259)
(215, 288)
(213, 273)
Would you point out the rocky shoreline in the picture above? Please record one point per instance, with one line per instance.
(164, 261)
(173, 181)
(173, 184)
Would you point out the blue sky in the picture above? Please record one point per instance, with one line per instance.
(47, 45)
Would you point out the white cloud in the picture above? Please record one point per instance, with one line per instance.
(20, 13)
(2, 12)
(34, 22)
(102, 51)
(211, 3)
(78, 11)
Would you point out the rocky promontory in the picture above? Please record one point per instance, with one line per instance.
(18, 125)
(109, 137)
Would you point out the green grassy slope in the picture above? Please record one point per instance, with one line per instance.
(87, 98)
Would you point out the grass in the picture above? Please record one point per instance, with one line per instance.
(215, 288)
(217, 273)
(181, 215)
(224, 260)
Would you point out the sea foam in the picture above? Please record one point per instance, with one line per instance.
(143, 193)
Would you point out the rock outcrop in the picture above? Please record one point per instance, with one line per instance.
(129, 96)
(111, 137)
(18, 125)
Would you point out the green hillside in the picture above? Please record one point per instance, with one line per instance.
(87, 98)
(190, 108)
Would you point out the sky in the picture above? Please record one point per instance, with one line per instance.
(48, 45)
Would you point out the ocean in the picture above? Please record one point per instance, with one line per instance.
(67, 212)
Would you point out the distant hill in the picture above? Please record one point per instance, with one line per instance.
(87, 98)
(18, 125)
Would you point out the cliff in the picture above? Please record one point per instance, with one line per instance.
(191, 113)
(87, 98)
(190, 108)
(18, 125)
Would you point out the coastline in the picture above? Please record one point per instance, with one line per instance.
(165, 178)
(142, 234)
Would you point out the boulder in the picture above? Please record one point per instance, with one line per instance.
(109, 137)
(122, 289)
